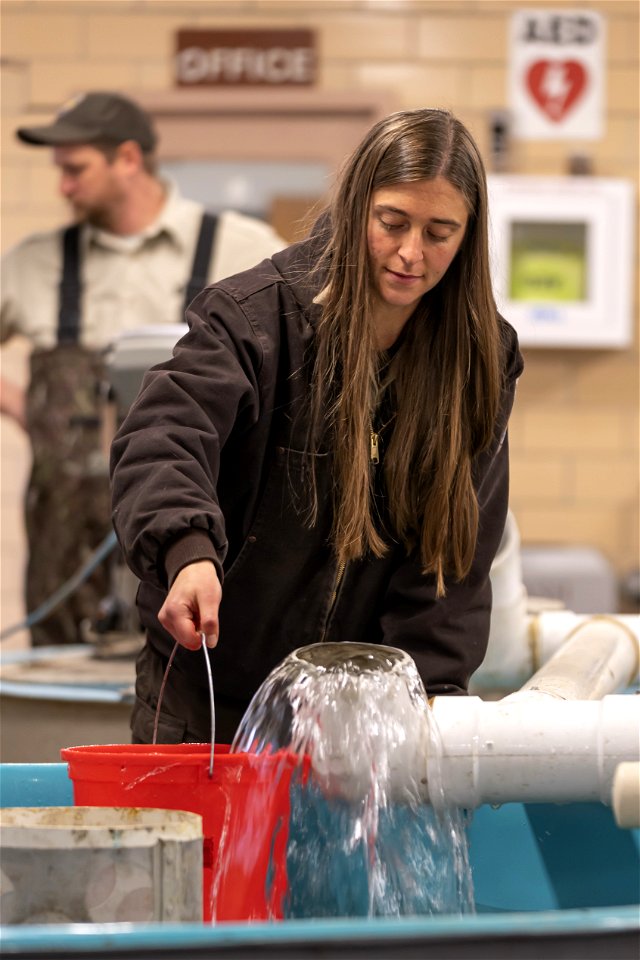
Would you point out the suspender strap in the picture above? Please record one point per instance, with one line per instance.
(70, 287)
(202, 258)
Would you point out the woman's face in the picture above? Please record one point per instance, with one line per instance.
(414, 232)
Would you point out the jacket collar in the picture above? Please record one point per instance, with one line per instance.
(298, 266)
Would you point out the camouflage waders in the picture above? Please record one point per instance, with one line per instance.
(68, 501)
(68, 511)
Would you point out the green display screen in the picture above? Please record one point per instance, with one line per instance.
(548, 261)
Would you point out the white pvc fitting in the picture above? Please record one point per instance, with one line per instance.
(531, 748)
(625, 795)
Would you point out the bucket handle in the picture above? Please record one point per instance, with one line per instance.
(211, 701)
(156, 721)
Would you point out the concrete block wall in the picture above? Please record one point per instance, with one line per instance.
(574, 433)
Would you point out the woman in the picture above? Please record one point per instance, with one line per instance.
(324, 458)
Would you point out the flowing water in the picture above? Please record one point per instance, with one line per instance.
(367, 834)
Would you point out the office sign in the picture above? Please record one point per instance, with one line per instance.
(556, 74)
(240, 58)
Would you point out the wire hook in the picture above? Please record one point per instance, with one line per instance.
(211, 701)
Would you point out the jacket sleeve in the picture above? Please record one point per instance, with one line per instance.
(448, 637)
(165, 458)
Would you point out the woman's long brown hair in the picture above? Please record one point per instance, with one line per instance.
(446, 375)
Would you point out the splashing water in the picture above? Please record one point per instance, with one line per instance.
(368, 835)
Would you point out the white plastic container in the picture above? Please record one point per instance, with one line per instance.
(99, 865)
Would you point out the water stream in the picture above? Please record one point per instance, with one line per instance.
(368, 836)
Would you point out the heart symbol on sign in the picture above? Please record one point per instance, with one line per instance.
(556, 85)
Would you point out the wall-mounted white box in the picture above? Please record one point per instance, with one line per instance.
(563, 256)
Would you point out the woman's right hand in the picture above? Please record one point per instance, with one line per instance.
(192, 604)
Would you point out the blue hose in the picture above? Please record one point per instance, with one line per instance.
(96, 558)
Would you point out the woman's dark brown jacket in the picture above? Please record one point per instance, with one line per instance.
(208, 463)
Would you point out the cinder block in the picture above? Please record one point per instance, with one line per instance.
(30, 34)
(540, 480)
(15, 85)
(547, 378)
(622, 35)
(415, 85)
(559, 525)
(14, 185)
(469, 37)
(132, 36)
(546, 428)
(349, 37)
(622, 88)
(613, 481)
(486, 87)
(52, 83)
(607, 378)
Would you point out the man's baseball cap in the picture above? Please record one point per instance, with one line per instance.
(94, 117)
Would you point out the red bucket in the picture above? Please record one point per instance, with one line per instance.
(244, 809)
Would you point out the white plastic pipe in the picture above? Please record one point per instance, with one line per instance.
(521, 640)
(464, 751)
(508, 654)
(530, 749)
(559, 738)
(599, 657)
(512, 658)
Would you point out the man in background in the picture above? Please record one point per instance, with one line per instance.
(135, 255)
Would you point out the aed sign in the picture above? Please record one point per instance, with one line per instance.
(265, 58)
(556, 74)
